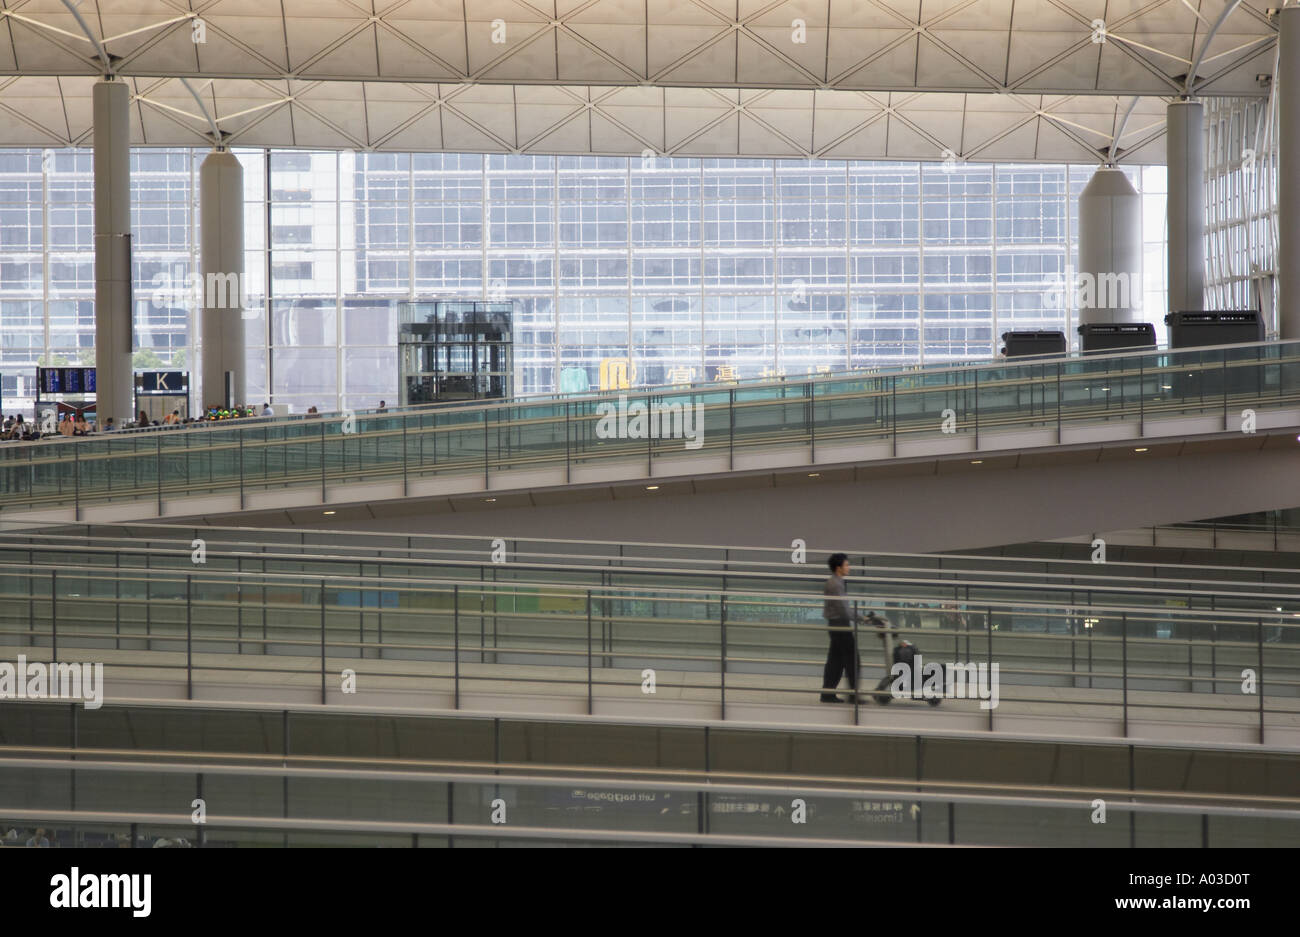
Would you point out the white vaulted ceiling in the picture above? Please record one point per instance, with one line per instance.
(1004, 80)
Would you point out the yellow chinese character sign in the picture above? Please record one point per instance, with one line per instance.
(616, 374)
(681, 375)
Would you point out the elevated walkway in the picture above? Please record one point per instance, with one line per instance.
(1166, 659)
(375, 806)
(1036, 429)
(345, 775)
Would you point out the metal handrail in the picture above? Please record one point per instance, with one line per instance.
(369, 767)
(456, 830)
(474, 458)
(950, 577)
(1131, 797)
(306, 642)
(697, 386)
(566, 589)
(294, 539)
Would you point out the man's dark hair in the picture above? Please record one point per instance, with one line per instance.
(837, 560)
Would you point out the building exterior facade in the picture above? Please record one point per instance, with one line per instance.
(621, 270)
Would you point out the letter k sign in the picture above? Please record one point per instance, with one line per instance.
(160, 381)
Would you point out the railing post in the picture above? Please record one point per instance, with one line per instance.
(1214, 656)
(722, 625)
(589, 701)
(1259, 680)
(54, 617)
(812, 421)
(1225, 390)
(857, 664)
(157, 468)
(977, 414)
(241, 475)
(322, 460)
(486, 483)
(76, 483)
(568, 458)
(731, 429)
(893, 409)
(189, 637)
(322, 642)
(1142, 420)
(455, 643)
(988, 620)
(1058, 403)
(405, 483)
(649, 445)
(1124, 665)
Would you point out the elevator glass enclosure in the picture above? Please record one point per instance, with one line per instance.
(453, 350)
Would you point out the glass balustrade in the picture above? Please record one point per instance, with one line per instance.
(638, 428)
(123, 804)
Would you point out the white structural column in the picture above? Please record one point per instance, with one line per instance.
(1110, 249)
(1185, 155)
(114, 390)
(221, 249)
(1288, 175)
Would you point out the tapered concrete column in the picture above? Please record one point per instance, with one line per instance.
(1288, 175)
(1110, 250)
(1185, 155)
(221, 246)
(114, 390)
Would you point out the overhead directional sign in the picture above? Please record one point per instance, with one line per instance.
(163, 382)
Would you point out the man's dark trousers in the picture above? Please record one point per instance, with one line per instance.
(842, 658)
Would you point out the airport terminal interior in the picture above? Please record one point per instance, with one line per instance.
(649, 423)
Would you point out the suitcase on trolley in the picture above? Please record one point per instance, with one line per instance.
(905, 652)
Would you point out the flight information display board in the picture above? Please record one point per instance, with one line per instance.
(65, 381)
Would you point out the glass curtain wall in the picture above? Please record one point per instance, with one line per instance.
(622, 271)
(1241, 204)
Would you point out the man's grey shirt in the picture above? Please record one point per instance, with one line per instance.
(836, 606)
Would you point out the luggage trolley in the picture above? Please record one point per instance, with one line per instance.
(904, 652)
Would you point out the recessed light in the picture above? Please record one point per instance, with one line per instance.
(977, 462)
(331, 512)
(1140, 450)
(1166, 386)
(814, 474)
(651, 487)
(488, 500)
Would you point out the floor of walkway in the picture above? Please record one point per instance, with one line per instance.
(1063, 712)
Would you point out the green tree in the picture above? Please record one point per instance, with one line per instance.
(146, 359)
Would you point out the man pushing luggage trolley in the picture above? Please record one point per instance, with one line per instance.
(842, 656)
